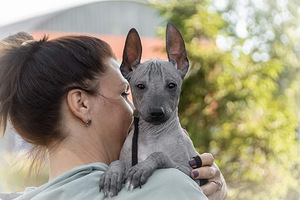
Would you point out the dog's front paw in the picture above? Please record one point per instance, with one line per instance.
(112, 180)
(138, 175)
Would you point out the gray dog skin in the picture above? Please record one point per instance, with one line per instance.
(155, 86)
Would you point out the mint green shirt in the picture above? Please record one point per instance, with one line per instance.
(82, 183)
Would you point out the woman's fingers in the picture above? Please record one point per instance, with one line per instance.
(216, 188)
(211, 187)
(206, 159)
(203, 173)
(206, 170)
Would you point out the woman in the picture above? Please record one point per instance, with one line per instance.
(68, 99)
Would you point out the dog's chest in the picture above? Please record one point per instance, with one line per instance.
(143, 152)
(174, 142)
(168, 143)
(146, 148)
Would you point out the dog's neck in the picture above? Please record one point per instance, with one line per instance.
(151, 131)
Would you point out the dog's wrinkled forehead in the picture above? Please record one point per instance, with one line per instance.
(156, 69)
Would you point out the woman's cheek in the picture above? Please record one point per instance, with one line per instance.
(130, 108)
(130, 105)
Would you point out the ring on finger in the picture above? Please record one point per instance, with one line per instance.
(219, 184)
(198, 161)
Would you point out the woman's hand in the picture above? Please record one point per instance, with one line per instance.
(215, 188)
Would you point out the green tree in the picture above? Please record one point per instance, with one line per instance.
(239, 99)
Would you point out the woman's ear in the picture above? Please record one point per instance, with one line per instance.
(79, 104)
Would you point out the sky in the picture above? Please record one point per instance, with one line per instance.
(18, 10)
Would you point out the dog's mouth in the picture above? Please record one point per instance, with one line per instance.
(156, 121)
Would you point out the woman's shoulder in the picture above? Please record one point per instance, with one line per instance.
(83, 183)
(172, 179)
(9, 196)
(78, 183)
(166, 184)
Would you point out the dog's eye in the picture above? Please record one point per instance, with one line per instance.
(172, 85)
(141, 86)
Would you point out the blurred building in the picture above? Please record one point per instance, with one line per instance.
(107, 20)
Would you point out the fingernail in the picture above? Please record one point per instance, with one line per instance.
(192, 162)
(196, 174)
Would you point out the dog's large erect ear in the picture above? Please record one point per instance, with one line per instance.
(176, 49)
(132, 52)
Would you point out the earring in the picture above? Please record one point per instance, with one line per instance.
(88, 122)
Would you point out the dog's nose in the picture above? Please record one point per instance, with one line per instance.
(157, 113)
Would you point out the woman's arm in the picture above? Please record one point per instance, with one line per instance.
(215, 188)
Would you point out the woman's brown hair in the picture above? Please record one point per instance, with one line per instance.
(36, 75)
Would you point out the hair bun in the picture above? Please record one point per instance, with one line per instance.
(12, 59)
(17, 38)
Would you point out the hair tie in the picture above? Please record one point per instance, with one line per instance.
(27, 42)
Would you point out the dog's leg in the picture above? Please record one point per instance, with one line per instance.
(139, 174)
(112, 180)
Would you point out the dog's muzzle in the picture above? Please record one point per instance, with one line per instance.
(156, 116)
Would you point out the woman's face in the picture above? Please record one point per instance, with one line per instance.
(112, 110)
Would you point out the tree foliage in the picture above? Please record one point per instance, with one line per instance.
(239, 99)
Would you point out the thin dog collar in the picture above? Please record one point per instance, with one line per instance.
(134, 153)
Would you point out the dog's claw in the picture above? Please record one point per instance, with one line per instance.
(138, 174)
(111, 181)
(127, 185)
(131, 187)
(111, 194)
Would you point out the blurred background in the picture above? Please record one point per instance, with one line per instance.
(240, 100)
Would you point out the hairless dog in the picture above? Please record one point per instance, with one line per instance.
(156, 87)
